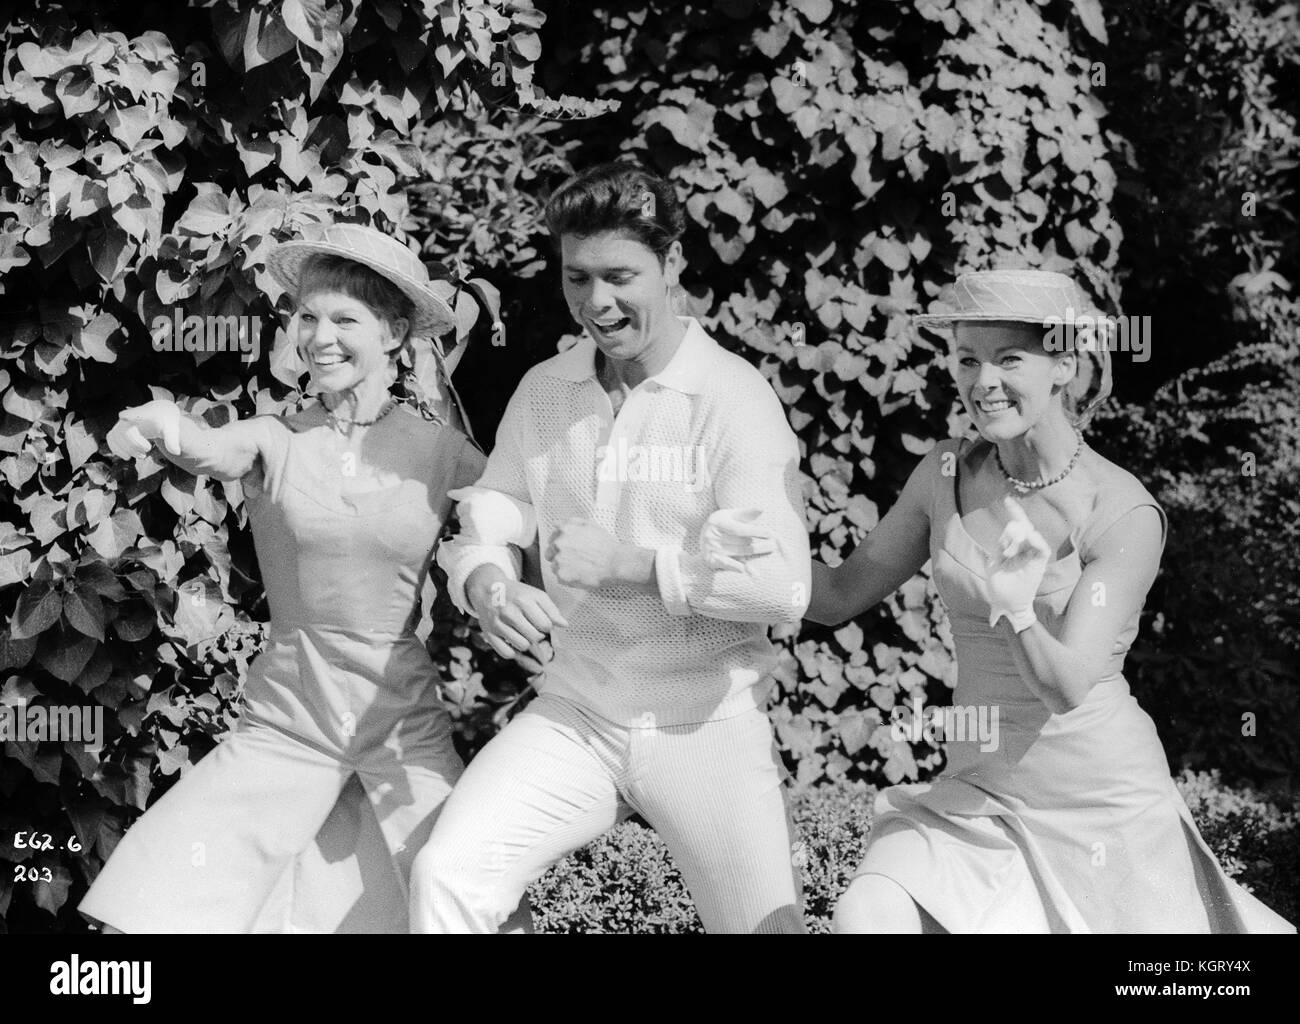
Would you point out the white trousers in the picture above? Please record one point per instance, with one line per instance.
(559, 775)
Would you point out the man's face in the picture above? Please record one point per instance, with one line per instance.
(618, 290)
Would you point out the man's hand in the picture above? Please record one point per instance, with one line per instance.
(515, 618)
(587, 556)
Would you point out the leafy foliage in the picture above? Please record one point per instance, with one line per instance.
(1207, 155)
(150, 159)
(625, 881)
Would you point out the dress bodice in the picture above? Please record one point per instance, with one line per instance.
(987, 672)
(335, 553)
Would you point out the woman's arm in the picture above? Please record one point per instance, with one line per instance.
(226, 453)
(889, 556)
(1111, 591)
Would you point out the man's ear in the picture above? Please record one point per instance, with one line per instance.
(674, 264)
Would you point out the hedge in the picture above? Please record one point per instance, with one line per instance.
(625, 882)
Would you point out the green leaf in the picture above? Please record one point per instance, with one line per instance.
(14, 566)
(95, 673)
(892, 253)
(84, 612)
(80, 443)
(315, 23)
(65, 653)
(528, 45)
(43, 62)
(208, 214)
(135, 626)
(78, 93)
(110, 252)
(135, 214)
(50, 896)
(173, 759)
(86, 814)
(37, 610)
(111, 537)
(1093, 18)
(815, 11)
(129, 124)
(92, 340)
(18, 693)
(15, 653)
(35, 94)
(687, 131)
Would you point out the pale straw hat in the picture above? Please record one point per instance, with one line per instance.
(371, 248)
(1040, 297)
(1021, 296)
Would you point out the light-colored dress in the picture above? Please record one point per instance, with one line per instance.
(1072, 823)
(271, 831)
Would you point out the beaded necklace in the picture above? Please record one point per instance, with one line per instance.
(1025, 486)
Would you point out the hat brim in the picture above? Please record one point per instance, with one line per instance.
(431, 315)
(945, 321)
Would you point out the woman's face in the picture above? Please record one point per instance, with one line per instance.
(1006, 380)
(343, 340)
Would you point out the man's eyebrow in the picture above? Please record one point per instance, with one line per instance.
(570, 269)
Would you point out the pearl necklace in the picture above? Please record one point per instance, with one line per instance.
(1025, 486)
(339, 422)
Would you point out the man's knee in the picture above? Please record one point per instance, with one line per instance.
(786, 920)
(452, 890)
(875, 904)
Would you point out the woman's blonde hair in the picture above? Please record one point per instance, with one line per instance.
(1092, 380)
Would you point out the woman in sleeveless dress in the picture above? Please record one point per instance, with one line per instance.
(1055, 811)
(346, 500)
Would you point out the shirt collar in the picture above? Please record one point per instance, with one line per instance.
(687, 370)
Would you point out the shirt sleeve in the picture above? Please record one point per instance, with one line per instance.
(754, 465)
(268, 468)
(503, 470)
(505, 467)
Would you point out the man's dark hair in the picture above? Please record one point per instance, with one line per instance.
(618, 197)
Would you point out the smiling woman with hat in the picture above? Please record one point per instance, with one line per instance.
(346, 500)
(1058, 813)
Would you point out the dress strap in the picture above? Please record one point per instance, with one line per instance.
(943, 486)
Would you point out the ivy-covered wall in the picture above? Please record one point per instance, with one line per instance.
(840, 162)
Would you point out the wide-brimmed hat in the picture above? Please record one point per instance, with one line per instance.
(1021, 296)
(373, 249)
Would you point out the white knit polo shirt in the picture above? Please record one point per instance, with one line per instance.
(705, 433)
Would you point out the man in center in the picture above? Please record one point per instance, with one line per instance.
(624, 455)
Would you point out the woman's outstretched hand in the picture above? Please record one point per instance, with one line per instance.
(136, 426)
(1015, 571)
(730, 534)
